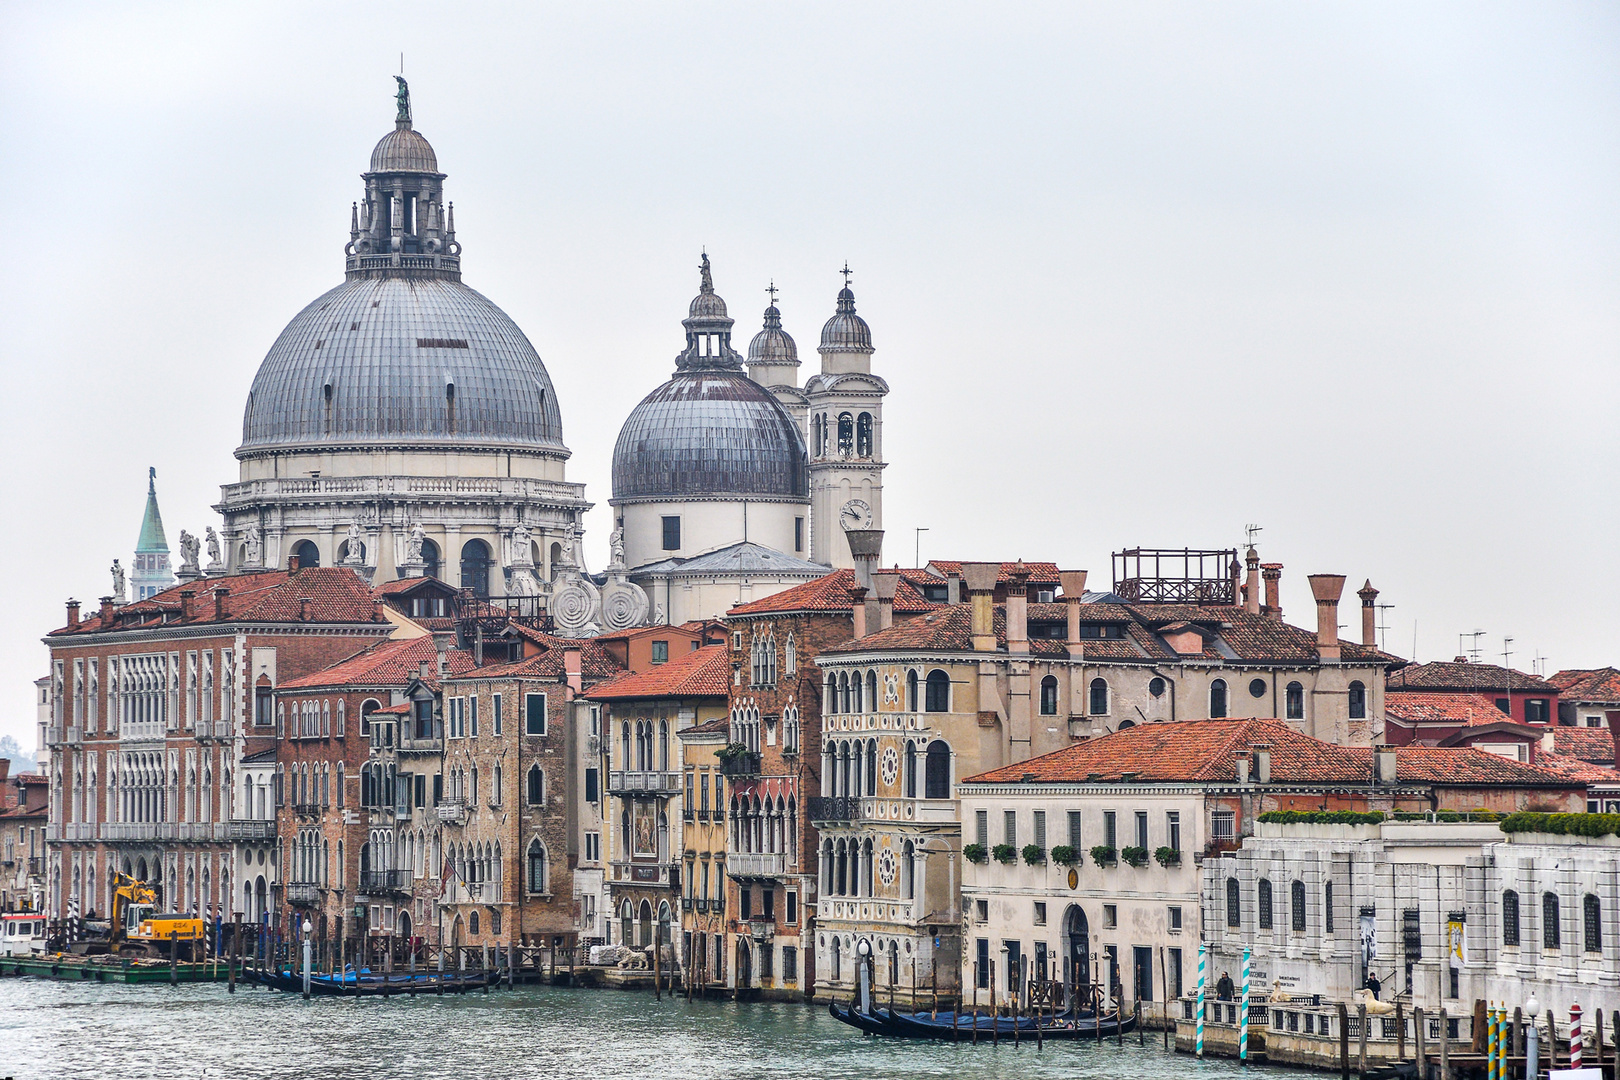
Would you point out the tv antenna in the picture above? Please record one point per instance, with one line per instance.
(1506, 652)
(1250, 532)
(1471, 649)
(1382, 627)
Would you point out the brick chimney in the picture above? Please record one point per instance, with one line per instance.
(866, 545)
(1241, 761)
(1369, 615)
(305, 603)
(884, 583)
(981, 585)
(1074, 592)
(72, 614)
(1384, 767)
(107, 611)
(857, 611)
(573, 669)
(1272, 573)
(1018, 609)
(186, 597)
(1327, 588)
(953, 588)
(1262, 763)
(1251, 586)
(219, 602)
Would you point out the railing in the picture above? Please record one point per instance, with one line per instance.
(756, 864)
(402, 261)
(385, 881)
(629, 781)
(834, 808)
(701, 904)
(250, 830)
(761, 927)
(36, 866)
(303, 893)
(686, 903)
(666, 875)
(412, 743)
(744, 764)
(307, 809)
(452, 811)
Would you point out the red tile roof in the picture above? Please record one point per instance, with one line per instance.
(336, 595)
(705, 672)
(1413, 707)
(718, 726)
(1592, 744)
(595, 662)
(1466, 677)
(1576, 769)
(399, 585)
(829, 594)
(1194, 751)
(1040, 573)
(402, 709)
(1599, 686)
(393, 663)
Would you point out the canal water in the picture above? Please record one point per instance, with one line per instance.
(50, 1030)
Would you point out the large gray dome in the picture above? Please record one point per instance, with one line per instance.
(710, 432)
(401, 361)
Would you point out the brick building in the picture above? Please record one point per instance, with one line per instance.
(1588, 697)
(1520, 697)
(24, 810)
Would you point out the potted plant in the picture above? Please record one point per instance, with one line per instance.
(731, 751)
(1103, 855)
(1034, 854)
(1005, 854)
(1167, 856)
(1064, 855)
(975, 853)
(1136, 856)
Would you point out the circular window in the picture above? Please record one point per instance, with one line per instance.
(1156, 687)
(891, 764)
(1257, 688)
(886, 867)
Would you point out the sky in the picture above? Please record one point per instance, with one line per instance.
(1137, 274)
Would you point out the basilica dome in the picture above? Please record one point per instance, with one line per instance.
(846, 331)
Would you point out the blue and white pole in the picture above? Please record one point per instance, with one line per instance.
(1203, 959)
(1243, 1015)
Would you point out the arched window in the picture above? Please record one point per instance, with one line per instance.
(1550, 938)
(430, 559)
(939, 691)
(537, 786)
(1217, 699)
(1049, 694)
(1263, 903)
(475, 563)
(871, 767)
(843, 692)
(871, 691)
(846, 434)
(624, 741)
(1294, 702)
(537, 867)
(1510, 918)
(863, 435)
(1297, 906)
(829, 697)
(307, 554)
(663, 745)
(472, 923)
(937, 771)
(908, 871)
(1234, 906)
(911, 769)
(856, 697)
(1358, 700)
(911, 691)
(1098, 705)
(1592, 919)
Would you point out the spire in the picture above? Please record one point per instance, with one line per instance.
(152, 538)
(402, 227)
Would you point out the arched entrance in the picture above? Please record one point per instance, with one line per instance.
(455, 933)
(140, 870)
(1077, 943)
(644, 932)
(405, 925)
(745, 965)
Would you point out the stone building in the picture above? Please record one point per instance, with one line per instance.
(643, 716)
(1588, 697)
(703, 854)
(155, 705)
(24, 815)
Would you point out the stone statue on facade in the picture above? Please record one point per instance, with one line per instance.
(616, 546)
(413, 544)
(402, 97)
(569, 540)
(213, 547)
(355, 553)
(522, 553)
(118, 582)
(189, 548)
(252, 547)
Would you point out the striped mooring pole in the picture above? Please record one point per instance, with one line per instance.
(1243, 1018)
(1203, 961)
(1493, 1035)
(1574, 1036)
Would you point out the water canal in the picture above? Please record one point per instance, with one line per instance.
(50, 1030)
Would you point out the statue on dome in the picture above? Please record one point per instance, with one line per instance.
(616, 546)
(403, 97)
(118, 582)
(708, 281)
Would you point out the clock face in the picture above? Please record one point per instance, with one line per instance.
(855, 515)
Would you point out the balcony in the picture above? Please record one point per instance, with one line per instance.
(307, 809)
(701, 904)
(686, 903)
(414, 741)
(36, 866)
(740, 765)
(659, 875)
(374, 882)
(755, 864)
(761, 927)
(303, 894)
(834, 808)
(250, 830)
(637, 782)
(452, 811)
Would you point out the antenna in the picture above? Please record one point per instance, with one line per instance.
(1250, 532)
(916, 555)
(1383, 627)
(402, 63)
(1536, 664)
(1506, 652)
(1472, 649)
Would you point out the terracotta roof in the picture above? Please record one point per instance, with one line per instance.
(399, 585)
(393, 663)
(1466, 677)
(1465, 766)
(336, 595)
(720, 725)
(1040, 573)
(1575, 769)
(830, 594)
(1595, 685)
(595, 662)
(704, 672)
(1412, 707)
(402, 709)
(1594, 744)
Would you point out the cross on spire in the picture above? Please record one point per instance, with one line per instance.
(846, 272)
(773, 290)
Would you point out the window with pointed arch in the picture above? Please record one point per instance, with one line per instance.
(1049, 696)
(790, 656)
(1294, 701)
(536, 786)
(1217, 699)
(536, 867)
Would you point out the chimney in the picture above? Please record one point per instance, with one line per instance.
(1018, 609)
(305, 603)
(292, 564)
(188, 595)
(1384, 771)
(107, 611)
(1241, 760)
(1251, 586)
(865, 545)
(1327, 589)
(1272, 573)
(444, 641)
(1369, 615)
(953, 588)
(1262, 762)
(423, 671)
(573, 668)
(981, 585)
(219, 602)
(885, 583)
(73, 614)
(1074, 592)
(857, 611)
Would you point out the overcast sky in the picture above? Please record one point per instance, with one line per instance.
(1137, 274)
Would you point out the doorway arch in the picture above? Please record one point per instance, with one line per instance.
(1077, 945)
(644, 932)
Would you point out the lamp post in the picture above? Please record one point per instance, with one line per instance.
(1532, 1040)
(308, 928)
(863, 949)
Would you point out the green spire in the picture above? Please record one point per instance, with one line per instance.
(152, 538)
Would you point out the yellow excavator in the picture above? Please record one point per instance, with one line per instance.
(136, 929)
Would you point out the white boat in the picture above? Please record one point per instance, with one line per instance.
(22, 934)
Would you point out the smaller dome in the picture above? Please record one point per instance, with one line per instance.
(773, 345)
(404, 150)
(846, 331)
(707, 305)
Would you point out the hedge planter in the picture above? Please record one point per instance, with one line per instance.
(975, 853)
(1136, 856)
(1103, 855)
(1034, 855)
(1005, 854)
(1065, 855)
(1167, 856)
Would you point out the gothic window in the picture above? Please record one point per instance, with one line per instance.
(537, 867)
(1217, 699)
(939, 691)
(937, 771)
(307, 554)
(537, 786)
(1049, 696)
(1099, 697)
(475, 563)
(1358, 701)
(863, 435)
(790, 658)
(1295, 701)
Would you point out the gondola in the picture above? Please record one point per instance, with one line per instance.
(951, 1025)
(867, 1023)
(366, 984)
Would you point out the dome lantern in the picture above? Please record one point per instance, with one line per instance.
(708, 330)
(403, 224)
